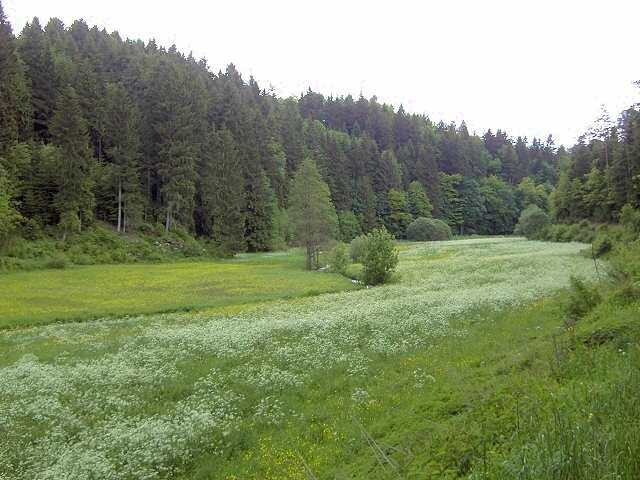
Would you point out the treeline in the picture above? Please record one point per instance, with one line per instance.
(94, 127)
(602, 175)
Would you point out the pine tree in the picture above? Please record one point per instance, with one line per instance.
(39, 67)
(259, 210)
(418, 202)
(364, 204)
(399, 217)
(13, 90)
(222, 192)
(74, 200)
(121, 145)
(311, 211)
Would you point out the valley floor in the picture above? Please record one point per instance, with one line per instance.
(444, 373)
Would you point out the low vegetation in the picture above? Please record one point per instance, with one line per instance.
(428, 230)
(297, 386)
(101, 245)
(89, 292)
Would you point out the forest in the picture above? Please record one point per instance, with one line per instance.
(94, 127)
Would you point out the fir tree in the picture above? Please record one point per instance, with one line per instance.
(74, 200)
(222, 192)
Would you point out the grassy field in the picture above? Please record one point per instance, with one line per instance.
(81, 293)
(455, 370)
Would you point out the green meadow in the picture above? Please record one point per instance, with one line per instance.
(463, 367)
(88, 292)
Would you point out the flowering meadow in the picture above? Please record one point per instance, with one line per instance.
(243, 395)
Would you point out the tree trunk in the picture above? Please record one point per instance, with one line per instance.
(167, 224)
(309, 256)
(119, 205)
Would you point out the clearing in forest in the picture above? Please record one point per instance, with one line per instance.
(272, 391)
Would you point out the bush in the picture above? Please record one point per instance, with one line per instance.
(59, 263)
(532, 221)
(192, 248)
(381, 257)
(630, 219)
(602, 245)
(339, 259)
(428, 229)
(582, 299)
(358, 248)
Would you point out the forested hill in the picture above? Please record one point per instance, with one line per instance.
(96, 127)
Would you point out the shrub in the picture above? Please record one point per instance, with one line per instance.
(83, 259)
(630, 219)
(358, 248)
(192, 248)
(58, 262)
(602, 245)
(582, 299)
(339, 259)
(428, 229)
(381, 257)
(532, 221)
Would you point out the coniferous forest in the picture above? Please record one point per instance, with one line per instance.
(98, 128)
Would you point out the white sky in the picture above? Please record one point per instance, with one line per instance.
(531, 67)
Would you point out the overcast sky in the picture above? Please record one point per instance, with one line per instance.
(530, 67)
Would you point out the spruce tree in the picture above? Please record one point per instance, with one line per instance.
(259, 210)
(14, 97)
(39, 67)
(222, 192)
(418, 202)
(74, 200)
(121, 145)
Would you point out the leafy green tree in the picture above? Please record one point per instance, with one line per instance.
(418, 202)
(428, 230)
(529, 193)
(311, 212)
(381, 257)
(399, 217)
(501, 209)
(596, 196)
(74, 198)
(9, 216)
(532, 221)
(349, 225)
(452, 206)
(339, 258)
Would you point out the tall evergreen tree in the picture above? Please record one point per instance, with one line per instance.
(122, 147)
(14, 96)
(36, 54)
(222, 192)
(74, 199)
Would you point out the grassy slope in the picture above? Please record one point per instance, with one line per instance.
(81, 293)
(515, 397)
(294, 402)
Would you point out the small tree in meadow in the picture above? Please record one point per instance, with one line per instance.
(339, 258)
(381, 257)
(311, 212)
